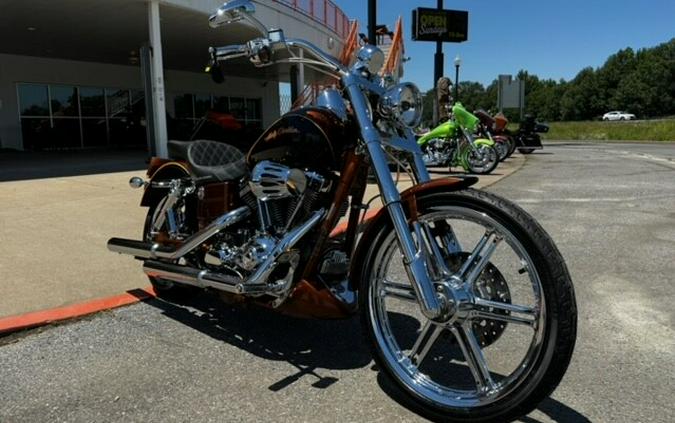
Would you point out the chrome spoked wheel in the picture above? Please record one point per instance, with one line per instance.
(502, 150)
(491, 350)
(482, 159)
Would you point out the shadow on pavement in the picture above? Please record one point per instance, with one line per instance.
(308, 345)
(17, 165)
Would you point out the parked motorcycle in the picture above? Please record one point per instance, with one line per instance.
(491, 128)
(452, 144)
(464, 298)
(527, 138)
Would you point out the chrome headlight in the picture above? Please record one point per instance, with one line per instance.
(402, 102)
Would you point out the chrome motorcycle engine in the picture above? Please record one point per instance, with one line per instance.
(282, 198)
(436, 152)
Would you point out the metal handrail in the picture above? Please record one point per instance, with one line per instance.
(322, 11)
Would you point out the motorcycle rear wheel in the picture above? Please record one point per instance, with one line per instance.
(444, 370)
(165, 289)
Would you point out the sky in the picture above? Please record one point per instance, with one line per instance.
(551, 39)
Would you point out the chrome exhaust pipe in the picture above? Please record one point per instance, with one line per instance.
(200, 278)
(148, 250)
(256, 284)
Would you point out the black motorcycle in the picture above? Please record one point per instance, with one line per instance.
(527, 137)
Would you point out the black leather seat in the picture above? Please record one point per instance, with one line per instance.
(178, 150)
(217, 160)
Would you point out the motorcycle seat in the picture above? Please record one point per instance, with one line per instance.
(178, 150)
(216, 160)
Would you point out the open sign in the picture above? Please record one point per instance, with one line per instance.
(440, 25)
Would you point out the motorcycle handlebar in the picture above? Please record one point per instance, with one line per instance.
(220, 54)
(228, 52)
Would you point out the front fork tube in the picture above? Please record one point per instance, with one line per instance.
(414, 257)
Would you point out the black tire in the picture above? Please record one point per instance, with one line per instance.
(164, 289)
(502, 150)
(557, 342)
(522, 150)
(512, 145)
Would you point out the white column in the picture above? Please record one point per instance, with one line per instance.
(157, 70)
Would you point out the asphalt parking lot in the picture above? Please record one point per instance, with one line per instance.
(608, 207)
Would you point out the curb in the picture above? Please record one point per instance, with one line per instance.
(35, 319)
(44, 317)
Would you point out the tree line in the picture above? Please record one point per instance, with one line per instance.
(641, 82)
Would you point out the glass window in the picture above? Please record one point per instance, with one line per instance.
(94, 132)
(202, 105)
(66, 134)
(221, 104)
(125, 132)
(33, 100)
(182, 104)
(35, 133)
(118, 102)
(91, 101)
(237, 107)
(137, 96)
(253, 106)
(64, 100)
(138, 103)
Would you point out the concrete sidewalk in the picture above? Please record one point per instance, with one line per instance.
(53, 235)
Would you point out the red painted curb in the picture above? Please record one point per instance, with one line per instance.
(40, 318)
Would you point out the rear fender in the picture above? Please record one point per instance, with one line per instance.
(409, 200)
(501, 138)
(161, 169)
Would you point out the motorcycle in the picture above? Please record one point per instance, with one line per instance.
(452, 144)
(437, 275)
(490, 127)
(527, 137)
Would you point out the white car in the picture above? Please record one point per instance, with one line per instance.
(616, 115)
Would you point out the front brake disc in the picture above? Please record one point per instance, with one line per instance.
(489, 285)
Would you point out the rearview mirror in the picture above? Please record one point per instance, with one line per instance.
(236, 11)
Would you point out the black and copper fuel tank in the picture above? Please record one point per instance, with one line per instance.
(307, 138)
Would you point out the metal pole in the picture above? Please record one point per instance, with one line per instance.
(157, 69)
(146, 66)
(456, 83)
(372, 21)
(438, 70)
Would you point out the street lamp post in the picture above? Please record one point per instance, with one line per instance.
(458, 62)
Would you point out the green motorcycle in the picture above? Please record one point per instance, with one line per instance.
(451, 144)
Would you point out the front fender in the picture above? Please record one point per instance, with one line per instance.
(484, 141)
(409, 201)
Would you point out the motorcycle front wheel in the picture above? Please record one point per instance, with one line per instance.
(502, 148)
(482, 159)
(508, 337)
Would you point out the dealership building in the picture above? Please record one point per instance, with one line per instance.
(74, 73)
